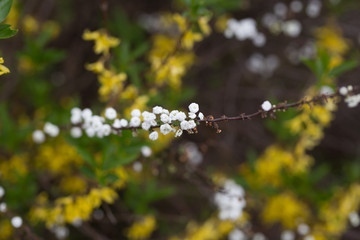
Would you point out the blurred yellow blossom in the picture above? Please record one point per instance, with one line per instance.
(103, 41)
(69, 209)
(204, 25)
(3, 69)
(142, 229)
(30, 25)
(96, 67)
(14, 167)
(6, 229)
(111, 83)
(286, 209)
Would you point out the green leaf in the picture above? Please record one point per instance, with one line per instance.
(6, 31)
(344, 67)
(5, 6)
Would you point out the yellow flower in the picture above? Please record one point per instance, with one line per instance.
(6, 230)
(204, 25)
(142, 229)
(189, 39)
(103, 42)
(73, 184)
(221, 23)
(110, 83)
(181, 22)
(96, 67)
(30, 25)
(330, 37)
(3, 69)
(286, 209)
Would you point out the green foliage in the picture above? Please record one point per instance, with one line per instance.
(11, 134)
(5, 6)
(277, 126)
(207, 7)
(5, 30)
(322, 69)
(139, 197)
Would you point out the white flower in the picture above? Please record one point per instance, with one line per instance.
(110, 113)
(153, 136)
(146, 126)
(178, 133)
(100, 134)
(75, 119)
(201, 116)
(259, 40)
(303, 229)
(137, 166)
(106, 129)
(76, 132)
(266, 106)
(291, 28)
(157, 110)
(117, 123)
(352, 101)
(165, 111)
(153, 123)
(350, 88)
(194, 107)
(309, 237)
(61, 232)
(76, 116)
(185, 125)
(230, 201)
(296, 6)
(148, 116)
(76, 111)
(192, 124)
(326, 90)
(146, 151)
(38, 136)
(96, 122)
(77, 222)
(166, 128)
(86, 114)
(16, 221)
(135, 113)
(51, 129)
(90, 132)
(165, 118)
(280, 9)
(236, 234)
(2, 191)
(3, 207)
(287, 235)
(124, 122)
(180, 116)
(343, 91)
(173, 114)
(192, 115)
(354, 219)
(313, 8)
(135, 122)
(259, 236)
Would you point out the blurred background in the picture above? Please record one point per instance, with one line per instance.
(295, 170)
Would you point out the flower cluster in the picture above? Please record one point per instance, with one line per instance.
(50, 129)
(98, 126)
(230, 201)
(245, 29)
(352, 100)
